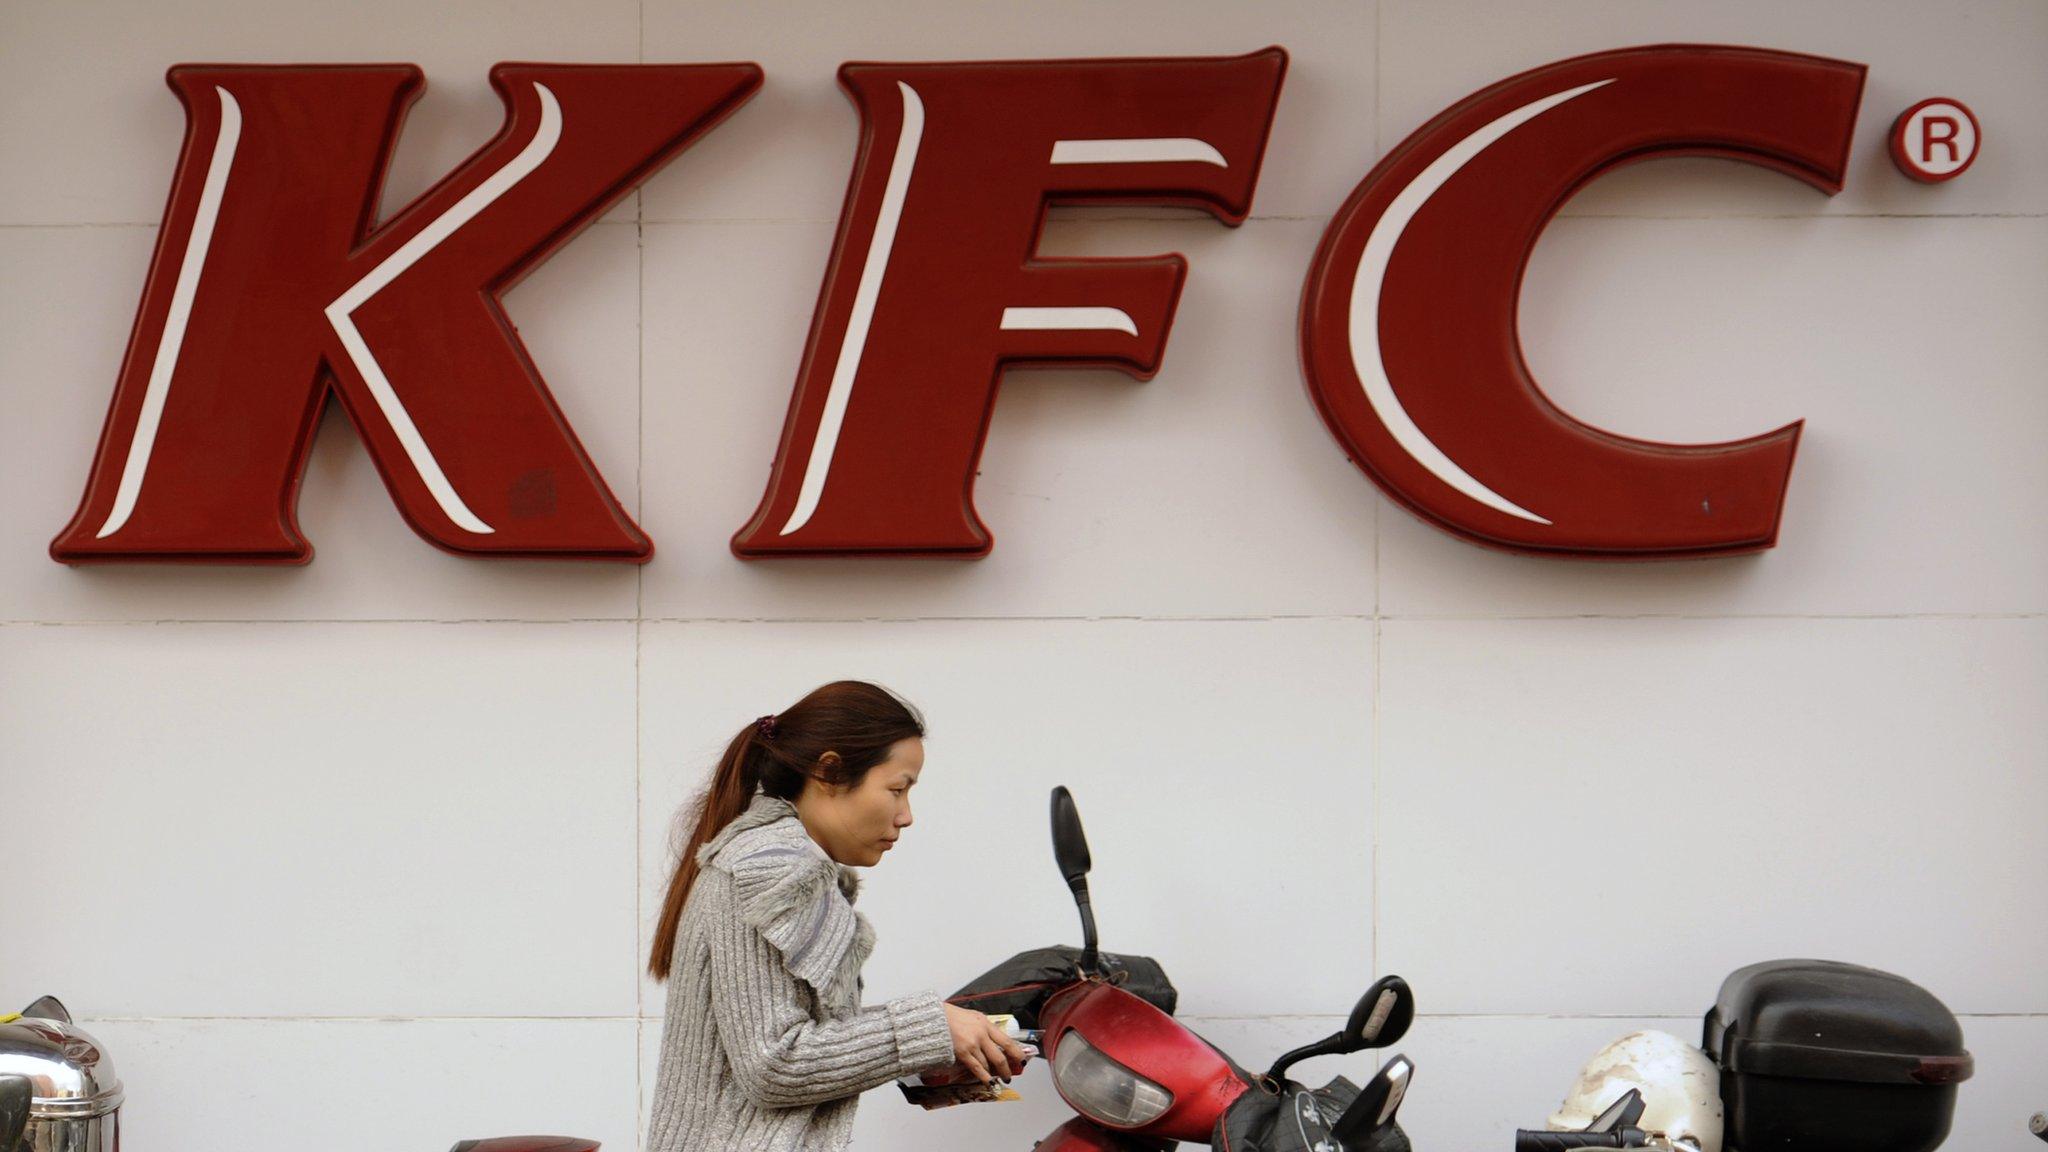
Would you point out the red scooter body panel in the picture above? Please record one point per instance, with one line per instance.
(1084, 1135)
(1152, 1044)
(529, 1144)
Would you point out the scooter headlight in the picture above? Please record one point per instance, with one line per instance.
(1104, 1090)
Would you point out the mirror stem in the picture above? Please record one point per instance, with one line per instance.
(1330, 1045)
(1090, 958)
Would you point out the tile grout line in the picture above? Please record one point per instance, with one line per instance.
(1378, 70)
(1191, 216)
(1373, 745)
(1704, 616)
(639, 633)
(1564, 1016)
(1376, 616)
(1080, 213)
(1334, 1013)
(381, 1019)
(639, 592)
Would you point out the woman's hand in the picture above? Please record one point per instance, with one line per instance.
(981, 1046)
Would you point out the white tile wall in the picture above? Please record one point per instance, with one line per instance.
(354, 831)
(346, 1085)
(1992, 1109)
(1710, 793)
(86, 99)
(320, 819)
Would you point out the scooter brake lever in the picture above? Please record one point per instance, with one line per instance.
(1623, 1113)
(1533, 1140)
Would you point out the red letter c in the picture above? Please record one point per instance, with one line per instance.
(1409, 341)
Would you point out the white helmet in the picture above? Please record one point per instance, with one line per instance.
(1681, 1089)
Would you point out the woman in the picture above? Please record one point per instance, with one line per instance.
(766, 1045)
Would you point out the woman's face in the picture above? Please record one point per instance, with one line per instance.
(858, 825)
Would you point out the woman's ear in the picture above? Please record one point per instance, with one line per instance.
(827, 764)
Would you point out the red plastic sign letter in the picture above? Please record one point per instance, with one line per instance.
(1408, 317)
(269, 286)
(933, 287)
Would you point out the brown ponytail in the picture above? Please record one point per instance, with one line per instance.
(834, 736)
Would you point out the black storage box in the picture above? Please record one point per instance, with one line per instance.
(1818, 1056)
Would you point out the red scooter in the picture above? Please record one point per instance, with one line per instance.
(1141, 1080)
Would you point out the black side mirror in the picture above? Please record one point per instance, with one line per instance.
(1381, 1017)
(1070, 849)
(48, 1008)
(1069, 843)
(16, 1094)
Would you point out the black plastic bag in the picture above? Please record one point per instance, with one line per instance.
(1295, 1119)
(1019, 986)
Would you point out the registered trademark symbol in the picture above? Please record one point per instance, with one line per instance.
(1935, 140)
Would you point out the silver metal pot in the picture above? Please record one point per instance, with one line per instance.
(73, 1096)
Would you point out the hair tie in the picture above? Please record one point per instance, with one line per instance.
(767, 726)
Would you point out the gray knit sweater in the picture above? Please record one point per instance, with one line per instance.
(766, 1047)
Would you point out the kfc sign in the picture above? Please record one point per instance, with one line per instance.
(273, 287)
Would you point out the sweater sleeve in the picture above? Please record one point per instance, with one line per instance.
(783, 1058)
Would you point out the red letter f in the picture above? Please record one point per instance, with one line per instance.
(933, 288)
